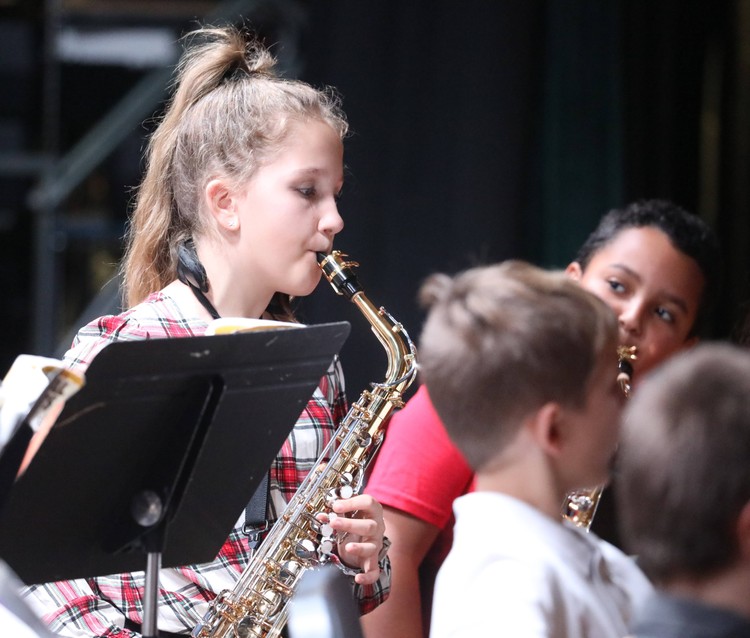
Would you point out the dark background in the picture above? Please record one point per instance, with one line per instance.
(481, 130)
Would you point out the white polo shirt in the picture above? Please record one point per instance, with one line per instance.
(517, 573)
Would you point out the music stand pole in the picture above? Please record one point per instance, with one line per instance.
(151, 595)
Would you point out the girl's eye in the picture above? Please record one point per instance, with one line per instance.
(307, 191)
(616, 286)
(664, 314)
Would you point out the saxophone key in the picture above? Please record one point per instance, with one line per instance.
(264, 609)
(246, 628)
(288, 572)
(325, 547)
(364, 440)
(305, 550)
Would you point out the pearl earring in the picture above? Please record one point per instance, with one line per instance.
(232, 223)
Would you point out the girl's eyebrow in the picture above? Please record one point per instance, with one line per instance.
(308, 171)
(627, 270)
(677, 301)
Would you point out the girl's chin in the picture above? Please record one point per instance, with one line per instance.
(306, 287)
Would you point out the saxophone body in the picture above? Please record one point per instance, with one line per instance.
(300, 540)
(580, 505)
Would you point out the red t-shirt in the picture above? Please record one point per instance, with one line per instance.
(420, 472)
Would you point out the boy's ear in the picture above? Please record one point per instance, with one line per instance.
(574, 271)
(221, 204)
(545, 425)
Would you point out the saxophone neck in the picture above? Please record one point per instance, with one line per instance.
(399, 348)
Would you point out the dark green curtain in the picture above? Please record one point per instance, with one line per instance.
(686, 96)
(731, 199)
(444, 99)
(580, 173)
(482, 131)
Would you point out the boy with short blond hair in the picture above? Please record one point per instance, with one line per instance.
(521, 365)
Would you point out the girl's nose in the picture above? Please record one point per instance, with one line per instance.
(331, 221)
(630, 317)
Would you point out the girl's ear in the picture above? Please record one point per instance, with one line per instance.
(574, 271)
(222, 204)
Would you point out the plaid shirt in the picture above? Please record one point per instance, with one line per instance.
(99, 606)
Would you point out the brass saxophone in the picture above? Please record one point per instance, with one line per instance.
(299, 540)
(580, 505)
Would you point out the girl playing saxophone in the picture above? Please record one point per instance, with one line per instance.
(240, 193)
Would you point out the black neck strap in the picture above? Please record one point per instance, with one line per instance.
(204, 301)
(190, 271)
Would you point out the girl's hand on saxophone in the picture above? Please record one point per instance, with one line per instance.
(361, 528)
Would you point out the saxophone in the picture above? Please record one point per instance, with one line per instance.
(580, 505)
(257, 607)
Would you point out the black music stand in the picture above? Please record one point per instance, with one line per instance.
(159, 453)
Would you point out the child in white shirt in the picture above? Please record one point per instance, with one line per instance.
(521, 365)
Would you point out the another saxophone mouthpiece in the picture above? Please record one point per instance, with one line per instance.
(625, 367)
(625, 354)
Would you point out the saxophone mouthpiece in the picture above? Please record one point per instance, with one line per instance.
(625, 354)
(339, 273)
